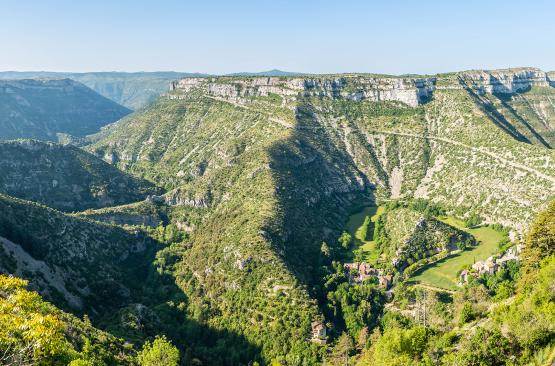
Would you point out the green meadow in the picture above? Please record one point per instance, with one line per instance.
(443, 273)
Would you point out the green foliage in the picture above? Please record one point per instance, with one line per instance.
(341, 351)
(35, 332)
(530, 318)
(483, 347)
(345, 240)
(540, 242)
(501, 284)
(466, 314)
(399, 346)
(168, 234)
(160, 352)
(362, 232)
(472, 220)
(427, 207)
(356, 306)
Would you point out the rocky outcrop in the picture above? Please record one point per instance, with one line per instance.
(505, 81)
(411, 91)
(551, 78)
(179, 198)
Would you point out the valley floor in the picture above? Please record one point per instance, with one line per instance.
(355, 228)
(441, 274)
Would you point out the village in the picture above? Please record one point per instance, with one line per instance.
(357, 272)
(491, 265)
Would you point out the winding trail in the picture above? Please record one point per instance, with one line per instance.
(472, 148)
(242, 106)
(478, 150)
(433, 288)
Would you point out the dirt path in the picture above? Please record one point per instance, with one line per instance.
(239, 105)
(472, 148)
(478, 150)
(433, 288)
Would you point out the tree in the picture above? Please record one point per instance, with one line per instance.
(159, 353)
(484, 347)
(467, 313)
(362, 232)
(399, 346)
(325, 249)
(472, 220)
(345, 239)
(31, 332)
(341, 351)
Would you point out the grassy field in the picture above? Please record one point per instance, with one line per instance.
(443, 273)
(354, 227)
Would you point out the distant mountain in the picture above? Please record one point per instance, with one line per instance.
(43, 108)
(132, 90)
(273, 72)
(65, 177)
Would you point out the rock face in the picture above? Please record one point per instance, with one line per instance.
(411, 91)
(551, 78)
(43, 109)
(506, 81)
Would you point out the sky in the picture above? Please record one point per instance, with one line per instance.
(391, 37)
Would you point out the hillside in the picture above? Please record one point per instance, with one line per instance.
(33, 331)
(65, 177)
(404, 236)
(245, 283)
(74, 262)
(116, 276)
(133, 90)
(44, 108)
(277, 164)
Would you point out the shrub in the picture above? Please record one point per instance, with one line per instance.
(159, 353)
(345, 239)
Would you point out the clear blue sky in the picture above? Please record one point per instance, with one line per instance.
(323, 36)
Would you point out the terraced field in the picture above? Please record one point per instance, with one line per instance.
(443, 274)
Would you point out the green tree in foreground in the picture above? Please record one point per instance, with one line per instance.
(159, 353)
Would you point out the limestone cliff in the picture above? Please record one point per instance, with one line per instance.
(411, 91)
(505, 81)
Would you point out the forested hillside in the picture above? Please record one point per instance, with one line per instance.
(296, 220)
(65, 177)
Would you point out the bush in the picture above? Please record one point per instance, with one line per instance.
(467, 313)
(472, 220)
(345, 239)
(159, 353)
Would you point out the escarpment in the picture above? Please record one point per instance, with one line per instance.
(506, 81)
(411, 91)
